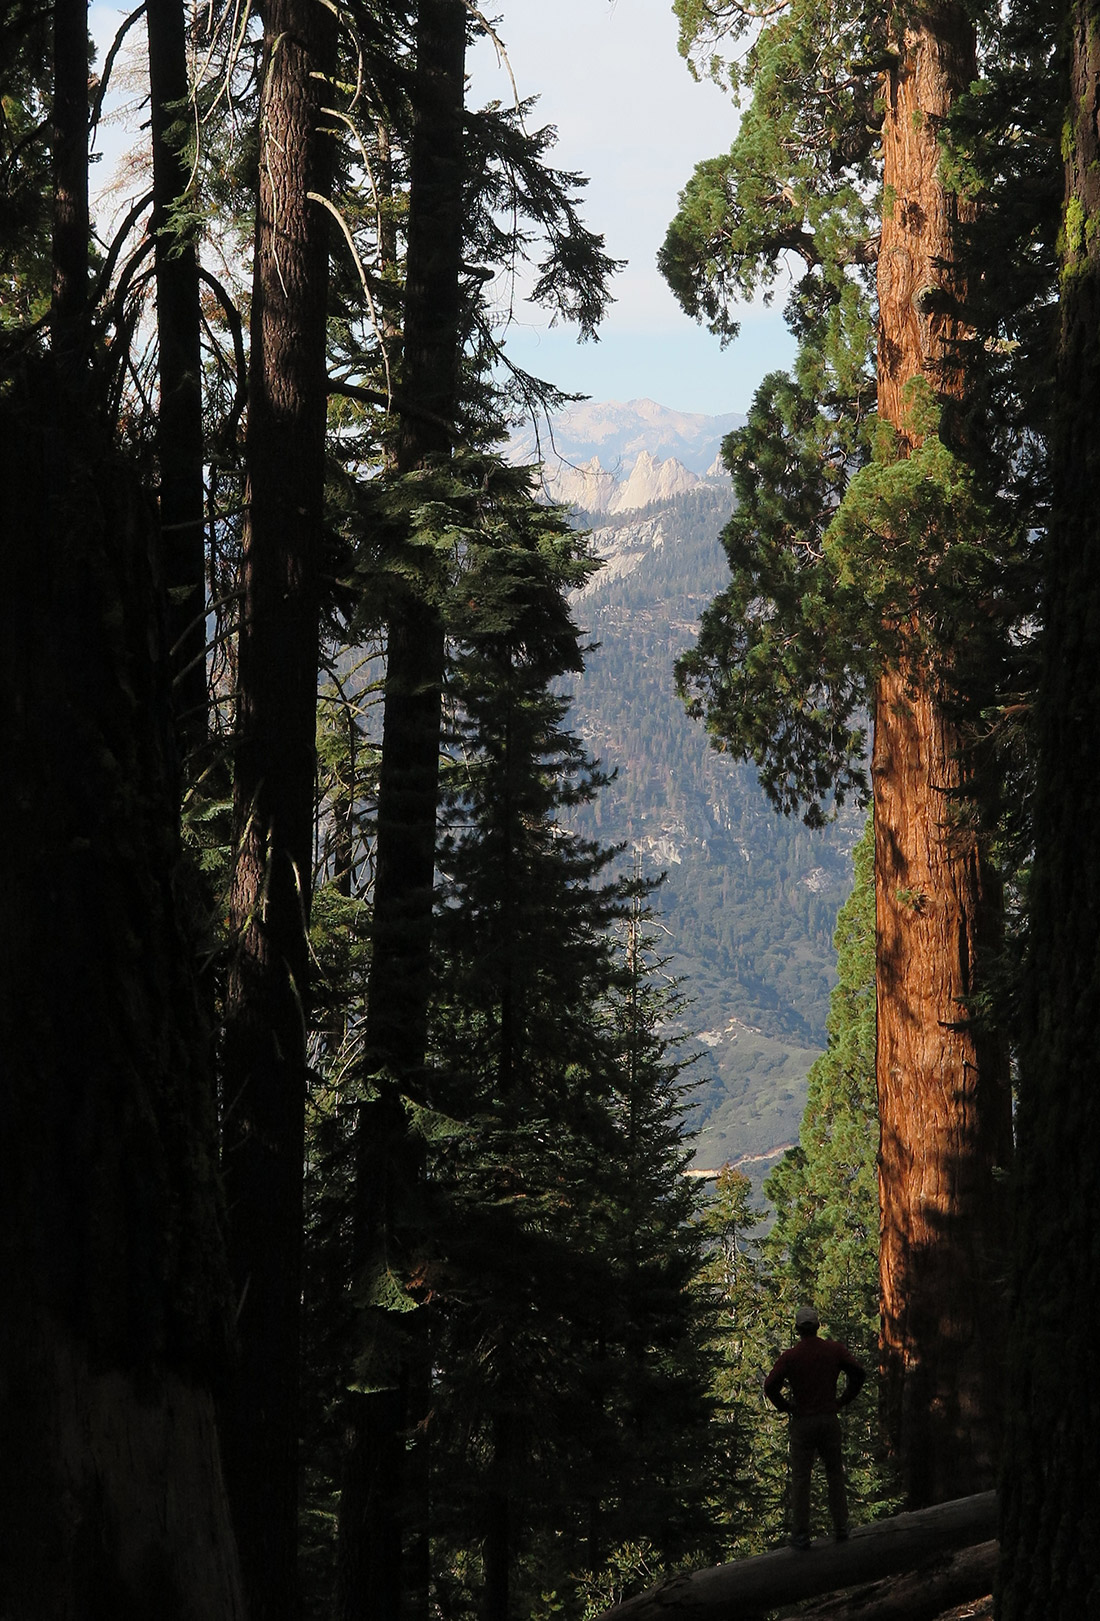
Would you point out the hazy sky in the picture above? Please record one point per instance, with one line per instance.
(630, 117)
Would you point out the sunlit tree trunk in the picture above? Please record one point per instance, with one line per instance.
(264, 1081)
(944, 1097)
(943, 1110)
(1050, 1490)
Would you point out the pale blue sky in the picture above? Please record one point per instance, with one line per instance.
(630, 117)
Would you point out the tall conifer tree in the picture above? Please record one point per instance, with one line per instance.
(825, 1191)
(825, 1238)
(264, 1079)
(465, 170)
(112, 1261)
(838, 598)
(568, 1349)
(381, 1557)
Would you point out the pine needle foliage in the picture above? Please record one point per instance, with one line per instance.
(25, 179)
(848, 542)
(825, 1191)
(752, 1306)
(569, 1365)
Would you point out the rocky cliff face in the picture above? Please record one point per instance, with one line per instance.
(591, 489)
(611, 458)
(617, 434)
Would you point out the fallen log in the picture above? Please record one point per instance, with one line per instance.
(920, 1595)
(746, 1587)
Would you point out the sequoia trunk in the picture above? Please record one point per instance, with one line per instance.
(943, 1108)
(944, 1097)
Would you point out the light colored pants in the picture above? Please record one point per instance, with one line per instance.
(816, 1433)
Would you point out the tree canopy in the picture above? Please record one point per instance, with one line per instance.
(350, 1261)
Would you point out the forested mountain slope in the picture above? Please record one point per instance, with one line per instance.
(750, 902)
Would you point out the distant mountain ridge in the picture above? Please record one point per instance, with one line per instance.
(749, 907)
(608, 457)
(594, 491)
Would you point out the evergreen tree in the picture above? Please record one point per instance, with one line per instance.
(849, 585)
(113, 1264)
(180, 449)
(825, 1191)
(267, 993)
(653, 1466)
(113, 1267)
(24, 165)
(753, 1306)
(375, 1507)
(463, 172)
(545, 1249)
(522, 936)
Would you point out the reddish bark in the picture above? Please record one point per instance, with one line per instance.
(920, 289)
(943, 1108)
(944, 1097)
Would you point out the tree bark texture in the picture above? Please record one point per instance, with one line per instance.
(265, 1076)
(944, 1108)
(920, 291)
(112, 1267)
(180, 450)
(944, 1098)
(939, 1586)
(1051, 1485)
(383, 1507)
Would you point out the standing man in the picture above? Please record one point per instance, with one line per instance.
(810, 1369)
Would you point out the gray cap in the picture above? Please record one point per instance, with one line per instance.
(806, 1317)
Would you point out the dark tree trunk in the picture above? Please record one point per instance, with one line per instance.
(944, 1097)
(1051, 1486)
(947, 1588)
(748, 1589)
(495, 1604)
(112, 1270)
(382, 1530)
(179, 423)
(274, 764)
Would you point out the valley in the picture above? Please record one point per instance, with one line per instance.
(748, 908)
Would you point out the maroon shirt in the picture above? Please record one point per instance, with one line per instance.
(812, 1368)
